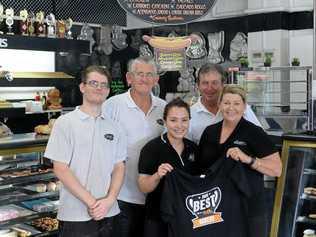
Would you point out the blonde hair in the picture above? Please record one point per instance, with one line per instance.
(233, 89)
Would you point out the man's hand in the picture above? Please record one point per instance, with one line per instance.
(100, 208)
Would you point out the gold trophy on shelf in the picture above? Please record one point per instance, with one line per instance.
(61, 29)
(68, 25)
(51, 25)
(1, 16)
(9, 14)
(23, 22)
(40, 27)
(30, 23)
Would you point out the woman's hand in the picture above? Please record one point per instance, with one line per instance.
(163, 169)
(148, 183)
(236, 154)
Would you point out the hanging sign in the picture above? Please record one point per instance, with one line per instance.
(169, 51)
(170, 60)
(167, 12)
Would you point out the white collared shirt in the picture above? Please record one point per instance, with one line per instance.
(139, 129)
(90, 147)
(201, 118)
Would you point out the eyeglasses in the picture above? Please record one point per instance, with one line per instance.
(96, 84)
(143, 75)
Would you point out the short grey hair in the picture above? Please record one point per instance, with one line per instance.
(141, 60)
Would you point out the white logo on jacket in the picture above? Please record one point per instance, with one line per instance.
(203, 207)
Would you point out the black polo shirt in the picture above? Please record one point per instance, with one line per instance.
(215, 205)
(249, 138)
(156, 152)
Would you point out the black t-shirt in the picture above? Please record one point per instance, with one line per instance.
(212, 206)
(156, 152)
(249, 138)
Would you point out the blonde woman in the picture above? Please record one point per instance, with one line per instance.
(236, 138)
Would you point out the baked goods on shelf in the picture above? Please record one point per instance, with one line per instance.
(21, 232)
(51, 186)
(310, 191)
(54, 99)
(23, 173)
(45, 129)
(46, 224)
(24, 230)
(5, 130)
(312, 216)
(12, 211)
(39, 187)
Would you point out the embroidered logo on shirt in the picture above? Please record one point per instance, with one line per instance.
(203, 207)
(160, 121)
(240, 143)
(191, 157)
(109, 136)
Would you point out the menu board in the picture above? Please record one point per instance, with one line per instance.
(167, 12)
(170, 60)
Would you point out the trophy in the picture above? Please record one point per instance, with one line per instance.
(68, 25)
(118, 38)
(9, 13)
(30, 23)
(40, 28)
(144, 51)
(197, 48)
(136, 40)
(238, 47)
(51, 25)
(61, 29)
(1, 16)
(23, 22)
(105, 45)
(216, 45)
(86, 33)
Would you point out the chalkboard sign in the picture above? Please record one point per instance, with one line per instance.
(167, 12)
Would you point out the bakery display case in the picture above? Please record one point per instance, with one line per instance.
(281, 97)
(295, 201)
(28, 188)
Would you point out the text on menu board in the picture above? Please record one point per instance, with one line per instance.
(167, 11)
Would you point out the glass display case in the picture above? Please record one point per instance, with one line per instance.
(295, 201)
(281, 97)
(28, 187)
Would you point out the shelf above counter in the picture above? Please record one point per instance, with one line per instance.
(45, 44)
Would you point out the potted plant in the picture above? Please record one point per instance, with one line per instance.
(295, 61)
(243, 62)
(267, 61)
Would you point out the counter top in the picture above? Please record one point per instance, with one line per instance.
(22, 140)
